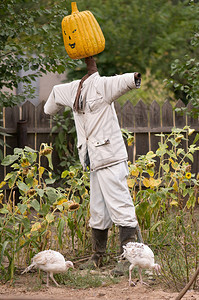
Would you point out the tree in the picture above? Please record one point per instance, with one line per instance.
(30, 38)
(141, 35)
(185, 78)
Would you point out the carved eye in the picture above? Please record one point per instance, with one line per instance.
(74, 30)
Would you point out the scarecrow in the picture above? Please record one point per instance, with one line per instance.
(100, 143)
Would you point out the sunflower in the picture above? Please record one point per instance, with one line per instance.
(188, 168)
(190, 131)
(46, 151)
(178, 138)
(130, 141)
(188, 175)
(73, 206)
(31, 192)
(63, 200)
(1, 197)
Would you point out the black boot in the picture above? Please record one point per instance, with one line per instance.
(126, 234)
(99, 241)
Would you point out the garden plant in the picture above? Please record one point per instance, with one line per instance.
(163, 188)
(165, 193)
(37, 220)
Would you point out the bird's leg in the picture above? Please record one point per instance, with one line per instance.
(141, 281)
(130, 270)
(47, 280)
(53, 279)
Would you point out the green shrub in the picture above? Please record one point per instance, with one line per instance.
(43, 216)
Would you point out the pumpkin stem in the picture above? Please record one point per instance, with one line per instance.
(74, 7)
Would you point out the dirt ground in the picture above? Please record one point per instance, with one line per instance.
(26, 287)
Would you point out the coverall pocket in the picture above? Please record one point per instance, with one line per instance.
(103, 150)
(95, 104)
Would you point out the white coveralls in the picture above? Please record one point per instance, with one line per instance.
(99, 137)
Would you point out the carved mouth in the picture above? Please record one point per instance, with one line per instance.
(72, 45)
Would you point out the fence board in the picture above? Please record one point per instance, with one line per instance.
(118, 110)
(141, 115)
(155, 115)
(192, 122)
(28, 114)
(155, 122)
(180, 120)
(141, 120)
(167, 114)
(128, 122)
(42, 120)
(128, 115)
(11, 117)
(195, 165)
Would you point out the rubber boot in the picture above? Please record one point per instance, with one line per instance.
(99, 241)
(126, 234)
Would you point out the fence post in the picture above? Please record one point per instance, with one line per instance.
(22, 133)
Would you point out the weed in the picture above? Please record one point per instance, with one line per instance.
(83, 280)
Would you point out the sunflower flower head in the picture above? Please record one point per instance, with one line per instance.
(179, 138)
(190, 131)
(188, 175)
(188, 168)
(1, 197)
(130, 141)
(73, 206)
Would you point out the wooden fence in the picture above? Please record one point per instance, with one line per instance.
(144, 121)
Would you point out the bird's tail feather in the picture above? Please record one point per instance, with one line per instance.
(28, 268)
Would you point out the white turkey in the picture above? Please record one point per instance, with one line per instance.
(139, 255)
(51, 262)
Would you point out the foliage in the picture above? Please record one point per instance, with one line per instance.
(165, 194)
(177, 243)
(41, 214)
(163, 188)
(31, 39)
(141, 35)
(128, 136)
(77, 189)
(146, 37)
(185, 78)
(77, 281)
(151, 89)
(160, 189)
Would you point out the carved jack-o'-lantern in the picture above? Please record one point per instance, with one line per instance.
(82, 34)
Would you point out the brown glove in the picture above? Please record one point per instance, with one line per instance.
(137, 77)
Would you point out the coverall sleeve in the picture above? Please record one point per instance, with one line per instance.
(111, 88)
(59, 96)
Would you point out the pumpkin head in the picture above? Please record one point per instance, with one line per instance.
(82, 34)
